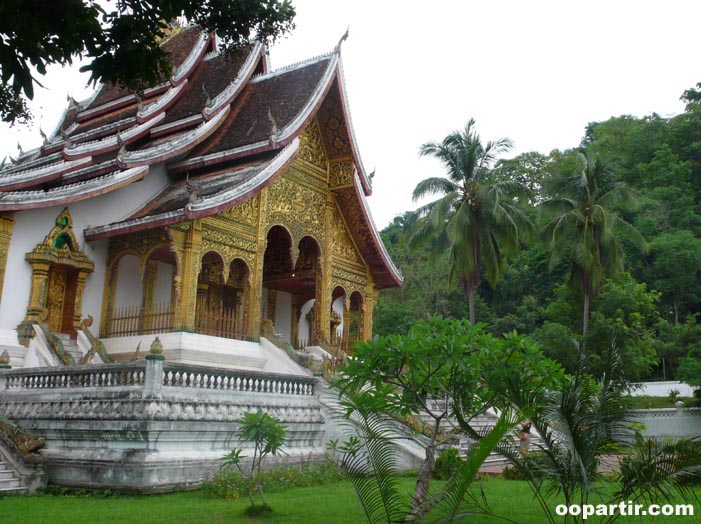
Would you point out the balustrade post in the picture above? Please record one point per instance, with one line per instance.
(153, 376)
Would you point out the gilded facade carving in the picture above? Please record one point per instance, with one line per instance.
(142, 243)
(298, 208)
(311, 146)
(341, 173)
(6, 225)
(245, 213)
(342, 245)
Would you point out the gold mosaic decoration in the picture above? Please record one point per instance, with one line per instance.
(311, 146)
(341, 173)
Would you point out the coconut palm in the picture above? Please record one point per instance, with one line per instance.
(476, 218)
(584, 227)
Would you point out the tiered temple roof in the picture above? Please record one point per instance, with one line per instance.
(225, 127)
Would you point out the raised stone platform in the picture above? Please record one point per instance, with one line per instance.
(151, 425)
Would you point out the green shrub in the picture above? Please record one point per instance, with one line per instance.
(229, 483)
(448, 464)
(536, 461)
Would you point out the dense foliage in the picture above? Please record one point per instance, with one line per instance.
(122, 39)
(646, 304)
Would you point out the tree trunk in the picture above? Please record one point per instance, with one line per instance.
(471, 302)
(585, 317)
(423, 479)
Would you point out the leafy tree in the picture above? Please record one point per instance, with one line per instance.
(120, 39)
(674, 268)
(624, 315)
(690, 367)
(674, 342)
(584, 226)
(450, 361)
(476, 219)
(268, 436)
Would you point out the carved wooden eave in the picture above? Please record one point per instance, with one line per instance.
(40, 175)
(205, 206)
(172, 147)
(110, 143)
(23, 200)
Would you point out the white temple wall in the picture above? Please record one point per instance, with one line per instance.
(164, 283)
(129, 284)
(283, 315)
(32, 226)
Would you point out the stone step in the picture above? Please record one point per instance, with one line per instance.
(12, 483)
(13, 491)
(6, 474)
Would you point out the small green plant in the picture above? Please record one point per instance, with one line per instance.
(268, 436)
(673, 395)
(229, 483)
(448, 464)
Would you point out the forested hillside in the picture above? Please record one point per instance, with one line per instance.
(647, 174)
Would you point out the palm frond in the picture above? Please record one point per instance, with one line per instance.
(452, 501)
(371, 463)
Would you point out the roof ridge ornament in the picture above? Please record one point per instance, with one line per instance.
(337, 49)
(274, 131)
(66, 138)
(207, 98)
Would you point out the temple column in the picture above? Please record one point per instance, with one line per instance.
(323, 288)
(7, 223)
(347, 321)
(78, 305)
(37, 299)
(149, 294)
(110, 292)
(370, 301)
(254, 298)
(190, 253)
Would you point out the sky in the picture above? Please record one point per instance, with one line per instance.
(533, 71)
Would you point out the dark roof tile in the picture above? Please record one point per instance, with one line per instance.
(284, 95)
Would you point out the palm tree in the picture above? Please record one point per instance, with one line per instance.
(585, 228)
(476, 218)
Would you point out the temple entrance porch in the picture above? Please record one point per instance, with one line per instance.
(158, 283)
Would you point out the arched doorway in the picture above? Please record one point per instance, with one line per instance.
(290, 280)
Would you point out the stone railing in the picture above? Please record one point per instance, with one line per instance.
(669, 422)
(108, 375)
(153, 376)
(188, 376)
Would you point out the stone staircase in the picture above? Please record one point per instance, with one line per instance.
(481, 423)
(70, 346)
(10, 483)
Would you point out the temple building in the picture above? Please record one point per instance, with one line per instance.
(225, 204)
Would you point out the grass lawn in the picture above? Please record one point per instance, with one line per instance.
(329, 504)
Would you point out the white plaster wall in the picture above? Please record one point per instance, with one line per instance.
(129, 285)
(32, 226)
(303, 328)
(164, 282)
(660, 389)
(283, 315)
